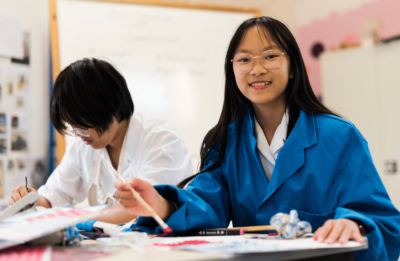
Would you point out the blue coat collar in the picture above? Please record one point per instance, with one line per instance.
(305, 120)
(291, 156)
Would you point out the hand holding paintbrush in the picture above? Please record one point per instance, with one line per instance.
(134, 201)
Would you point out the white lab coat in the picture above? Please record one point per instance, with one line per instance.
(154, 152)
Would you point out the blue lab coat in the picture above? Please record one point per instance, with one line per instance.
(324, 171)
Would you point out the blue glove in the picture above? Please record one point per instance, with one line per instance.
(86, 225)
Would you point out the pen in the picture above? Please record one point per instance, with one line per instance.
(210, 232)
(26, 182)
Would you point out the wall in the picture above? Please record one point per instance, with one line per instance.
(369, 79)
(33, 16)
(283, 10)
(333, 22)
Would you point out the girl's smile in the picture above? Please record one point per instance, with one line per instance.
(260, 85)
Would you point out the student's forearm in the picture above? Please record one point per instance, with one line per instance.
(168, 209)
(43, 202)
(117, 216)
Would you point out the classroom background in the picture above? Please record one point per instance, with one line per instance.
(351, 50)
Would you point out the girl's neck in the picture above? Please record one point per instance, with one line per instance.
(118, 140)
(269, 116)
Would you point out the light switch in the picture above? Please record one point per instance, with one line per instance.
(391, 167)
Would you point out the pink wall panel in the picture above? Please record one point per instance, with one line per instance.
(333, 30)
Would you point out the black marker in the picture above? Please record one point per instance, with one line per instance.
(26, 181)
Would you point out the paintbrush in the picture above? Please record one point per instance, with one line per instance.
(255, 228)
(137, 196)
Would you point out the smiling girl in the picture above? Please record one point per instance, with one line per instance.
(276, 148)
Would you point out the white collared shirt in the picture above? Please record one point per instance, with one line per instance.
(269, 153)
(154, 152)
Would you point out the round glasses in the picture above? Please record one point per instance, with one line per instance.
(77, 132)
(271, 60)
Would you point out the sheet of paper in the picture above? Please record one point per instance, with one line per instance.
(240, 244)
(24, 228)
(11, 41)
(75, 254)
(23, 253)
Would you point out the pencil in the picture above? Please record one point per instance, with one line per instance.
(137, 196)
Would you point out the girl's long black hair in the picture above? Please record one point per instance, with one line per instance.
(298, 93)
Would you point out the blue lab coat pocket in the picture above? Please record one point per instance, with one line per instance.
(316, 220)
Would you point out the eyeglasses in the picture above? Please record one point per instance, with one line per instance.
(270, 59)
(77, 132)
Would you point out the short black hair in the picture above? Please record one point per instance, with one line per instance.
(89, 93)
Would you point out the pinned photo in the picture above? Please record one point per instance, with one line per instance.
(22, 81)
(10, 165)
(3, 123)
(3, 146)
(19, 141)
(9, 81)
(19, 102)
(14, 122)
(21, 164)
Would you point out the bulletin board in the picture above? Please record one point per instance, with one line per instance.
(171, 55)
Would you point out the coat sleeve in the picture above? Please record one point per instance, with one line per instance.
(165, 158)
(205, 203)
(363, 197)
(65, 184)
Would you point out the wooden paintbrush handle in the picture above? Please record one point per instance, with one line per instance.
(137, 196)
(255, 228)
(144, 203)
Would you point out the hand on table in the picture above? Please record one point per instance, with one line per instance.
(338, 230)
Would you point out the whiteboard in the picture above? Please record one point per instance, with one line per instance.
(172, 58)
